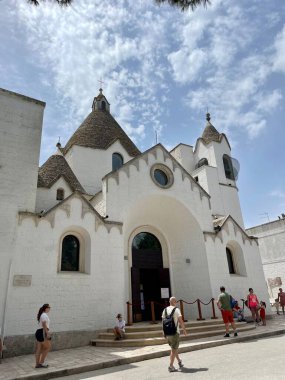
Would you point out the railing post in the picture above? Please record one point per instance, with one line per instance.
(213, 308)
(199, 311)
(152, 312)
(182, 309)
(129, 320)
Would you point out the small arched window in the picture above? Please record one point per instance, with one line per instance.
(59, 194)
(230, 261)
(117, 161)
(103, 105)
(202, 162)
(70, 254)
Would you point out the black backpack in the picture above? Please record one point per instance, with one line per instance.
(168, 324)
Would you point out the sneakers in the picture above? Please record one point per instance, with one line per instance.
(172, 369)
(235, 334)
(41, 366)
(227, 336)
(181, 365)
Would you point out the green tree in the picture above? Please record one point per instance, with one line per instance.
(60, 2)
(182, 4)
(185, 4)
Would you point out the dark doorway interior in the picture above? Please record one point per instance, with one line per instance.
(148, 277)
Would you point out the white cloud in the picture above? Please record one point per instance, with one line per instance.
(230, 76)
(140, 50)
(279, 59)
(186, 65)
(278, 194)
(78, 45)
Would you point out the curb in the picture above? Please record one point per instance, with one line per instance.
(51, 374)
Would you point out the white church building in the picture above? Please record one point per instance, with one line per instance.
(101, 223)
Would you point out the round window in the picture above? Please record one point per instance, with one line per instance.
(161, 175)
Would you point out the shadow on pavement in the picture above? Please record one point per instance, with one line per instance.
(193, 370)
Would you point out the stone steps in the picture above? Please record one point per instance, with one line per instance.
(140, 336)
(144, 326)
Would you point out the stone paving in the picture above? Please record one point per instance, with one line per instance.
(83, 359)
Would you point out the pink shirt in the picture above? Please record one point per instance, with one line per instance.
(252, 299)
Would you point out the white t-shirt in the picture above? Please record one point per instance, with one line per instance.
(121, 324)
(176, 315)
(44, 318)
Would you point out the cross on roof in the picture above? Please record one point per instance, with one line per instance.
(101, 82)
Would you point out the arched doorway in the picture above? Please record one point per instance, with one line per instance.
(150, 280)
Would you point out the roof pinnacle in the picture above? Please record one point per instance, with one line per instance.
(208, 116)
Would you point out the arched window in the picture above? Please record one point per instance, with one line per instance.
(230, 261)
(228, 166)
(117, 161)
(103, 105)
(70, 254)
(202, 162)
(146, 251)
(59, 194)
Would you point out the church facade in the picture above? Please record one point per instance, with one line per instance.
(101, 223)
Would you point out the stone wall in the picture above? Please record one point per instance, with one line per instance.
(25, 344)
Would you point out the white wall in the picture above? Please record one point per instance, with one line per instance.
(271, 239)
(223, 191)
(125, 187)
(46, 197)
(185, 156)
(91, 165)
(79, 301)
(20, 137)
(246, 258)
(181, 238)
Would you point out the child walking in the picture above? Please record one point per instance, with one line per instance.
(262, 312)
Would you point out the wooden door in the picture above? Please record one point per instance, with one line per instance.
(135, 278)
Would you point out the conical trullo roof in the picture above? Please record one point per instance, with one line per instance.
(210, 133)
(55, 167)
(99, 130)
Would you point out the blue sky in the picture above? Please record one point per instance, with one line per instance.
(161, 70)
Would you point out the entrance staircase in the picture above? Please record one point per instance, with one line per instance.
(146, 334)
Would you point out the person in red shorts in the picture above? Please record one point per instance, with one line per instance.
(224, 304)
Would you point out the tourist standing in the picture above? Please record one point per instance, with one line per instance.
(281, 299)
(253, 305)
(173, 313)
(43, 336)
(224, 304)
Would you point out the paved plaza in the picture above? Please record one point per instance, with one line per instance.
(257, 359)
(84, 359)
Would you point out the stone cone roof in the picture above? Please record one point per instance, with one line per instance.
(210, 134)
(54, 168)
(98, 131)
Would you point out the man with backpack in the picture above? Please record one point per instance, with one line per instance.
(171, 320)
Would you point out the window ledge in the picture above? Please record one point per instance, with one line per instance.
(72, 273)
(237, 275)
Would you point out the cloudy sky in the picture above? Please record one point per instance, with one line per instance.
(162, 69)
